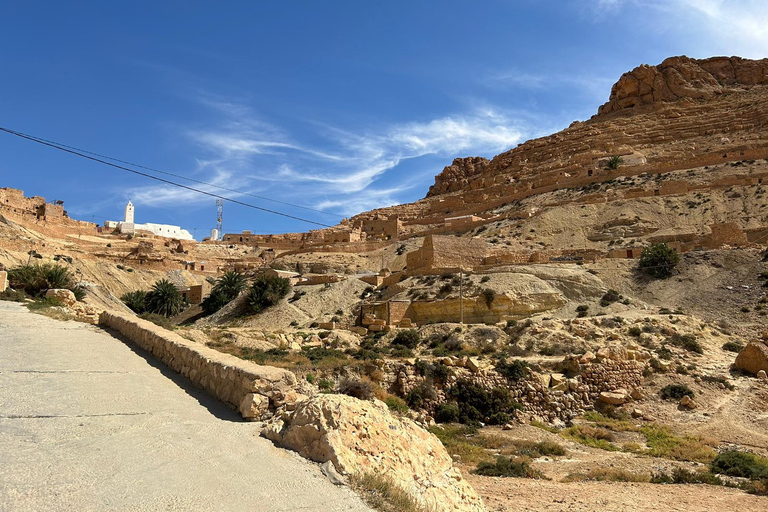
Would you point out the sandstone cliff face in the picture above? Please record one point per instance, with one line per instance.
(358, 436)
(456, 175)
(683, 77)
(687, 105)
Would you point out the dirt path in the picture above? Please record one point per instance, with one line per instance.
(88, 424)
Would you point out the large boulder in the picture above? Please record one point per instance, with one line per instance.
(753, 357)
(62, 295)
(360, 437)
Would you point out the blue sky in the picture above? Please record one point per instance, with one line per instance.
(337, 106)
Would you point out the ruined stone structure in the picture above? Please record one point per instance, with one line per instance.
(445, 252)
(14, 205)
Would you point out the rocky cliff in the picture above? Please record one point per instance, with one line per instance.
(682, 77)
(680, 114)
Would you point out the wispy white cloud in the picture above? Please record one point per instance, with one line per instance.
(725, 27)
(344, 173)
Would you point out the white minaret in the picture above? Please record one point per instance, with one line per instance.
(128, 213)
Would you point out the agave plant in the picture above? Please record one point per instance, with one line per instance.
(164, 299)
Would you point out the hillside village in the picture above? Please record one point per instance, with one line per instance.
(506, 312)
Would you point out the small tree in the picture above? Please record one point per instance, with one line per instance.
(136, 301)
(658, 260)
(164, 299)
(489, 295)
(615, 162)
(226, 288)
(267, 291)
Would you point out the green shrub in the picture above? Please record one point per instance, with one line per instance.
(732, 346)
(35, 279)
(409, 338)
(507, 467)
(447, 413)
(684, 476)
(658, 260)
(310, 378)
(609, 298)
(136, 301)
(489, 296)
(226, 288)
(267, 291)
(325, 385)
(614, 162)
(634, 331)
(676, 391)
(477, 404)
(417, 397)
(438, 372)
(396, 404)
(516, 370)
(686, 341)
(164, 299)
(740, 464)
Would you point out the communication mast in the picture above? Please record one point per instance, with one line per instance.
(219, 215)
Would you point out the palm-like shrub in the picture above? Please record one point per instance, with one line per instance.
(267, 291)
(164, 299)
(36, 279)
(227, 287)
(615, 162)
(658, 260)
(136, 301)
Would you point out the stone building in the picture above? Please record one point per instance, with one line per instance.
(128, 227)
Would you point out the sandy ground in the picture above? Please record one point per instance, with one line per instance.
(521, 494)
(89, 424)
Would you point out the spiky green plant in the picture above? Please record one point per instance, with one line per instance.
(136, 301)
(226, 288)
(36, 279)
(615, 162)
(164, 299)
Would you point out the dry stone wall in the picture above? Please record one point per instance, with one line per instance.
(253, 389)
(543, 395)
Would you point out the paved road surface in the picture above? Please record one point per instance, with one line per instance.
(88, 423)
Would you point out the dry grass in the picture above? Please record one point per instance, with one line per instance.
(596, 437)
(663, 442)
(382, 494)
(607, 475)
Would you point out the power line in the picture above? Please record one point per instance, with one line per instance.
(61, 147)
(106, 157)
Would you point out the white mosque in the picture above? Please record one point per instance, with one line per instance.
(127, 226)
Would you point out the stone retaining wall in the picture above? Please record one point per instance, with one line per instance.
(253, 389)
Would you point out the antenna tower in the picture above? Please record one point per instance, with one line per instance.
(219, 215)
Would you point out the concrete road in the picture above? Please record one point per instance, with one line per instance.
(89, 423)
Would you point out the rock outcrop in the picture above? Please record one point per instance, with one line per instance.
(753, 357)
(683, 77)
(70, 305)
(358, 436)
(457, 174)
